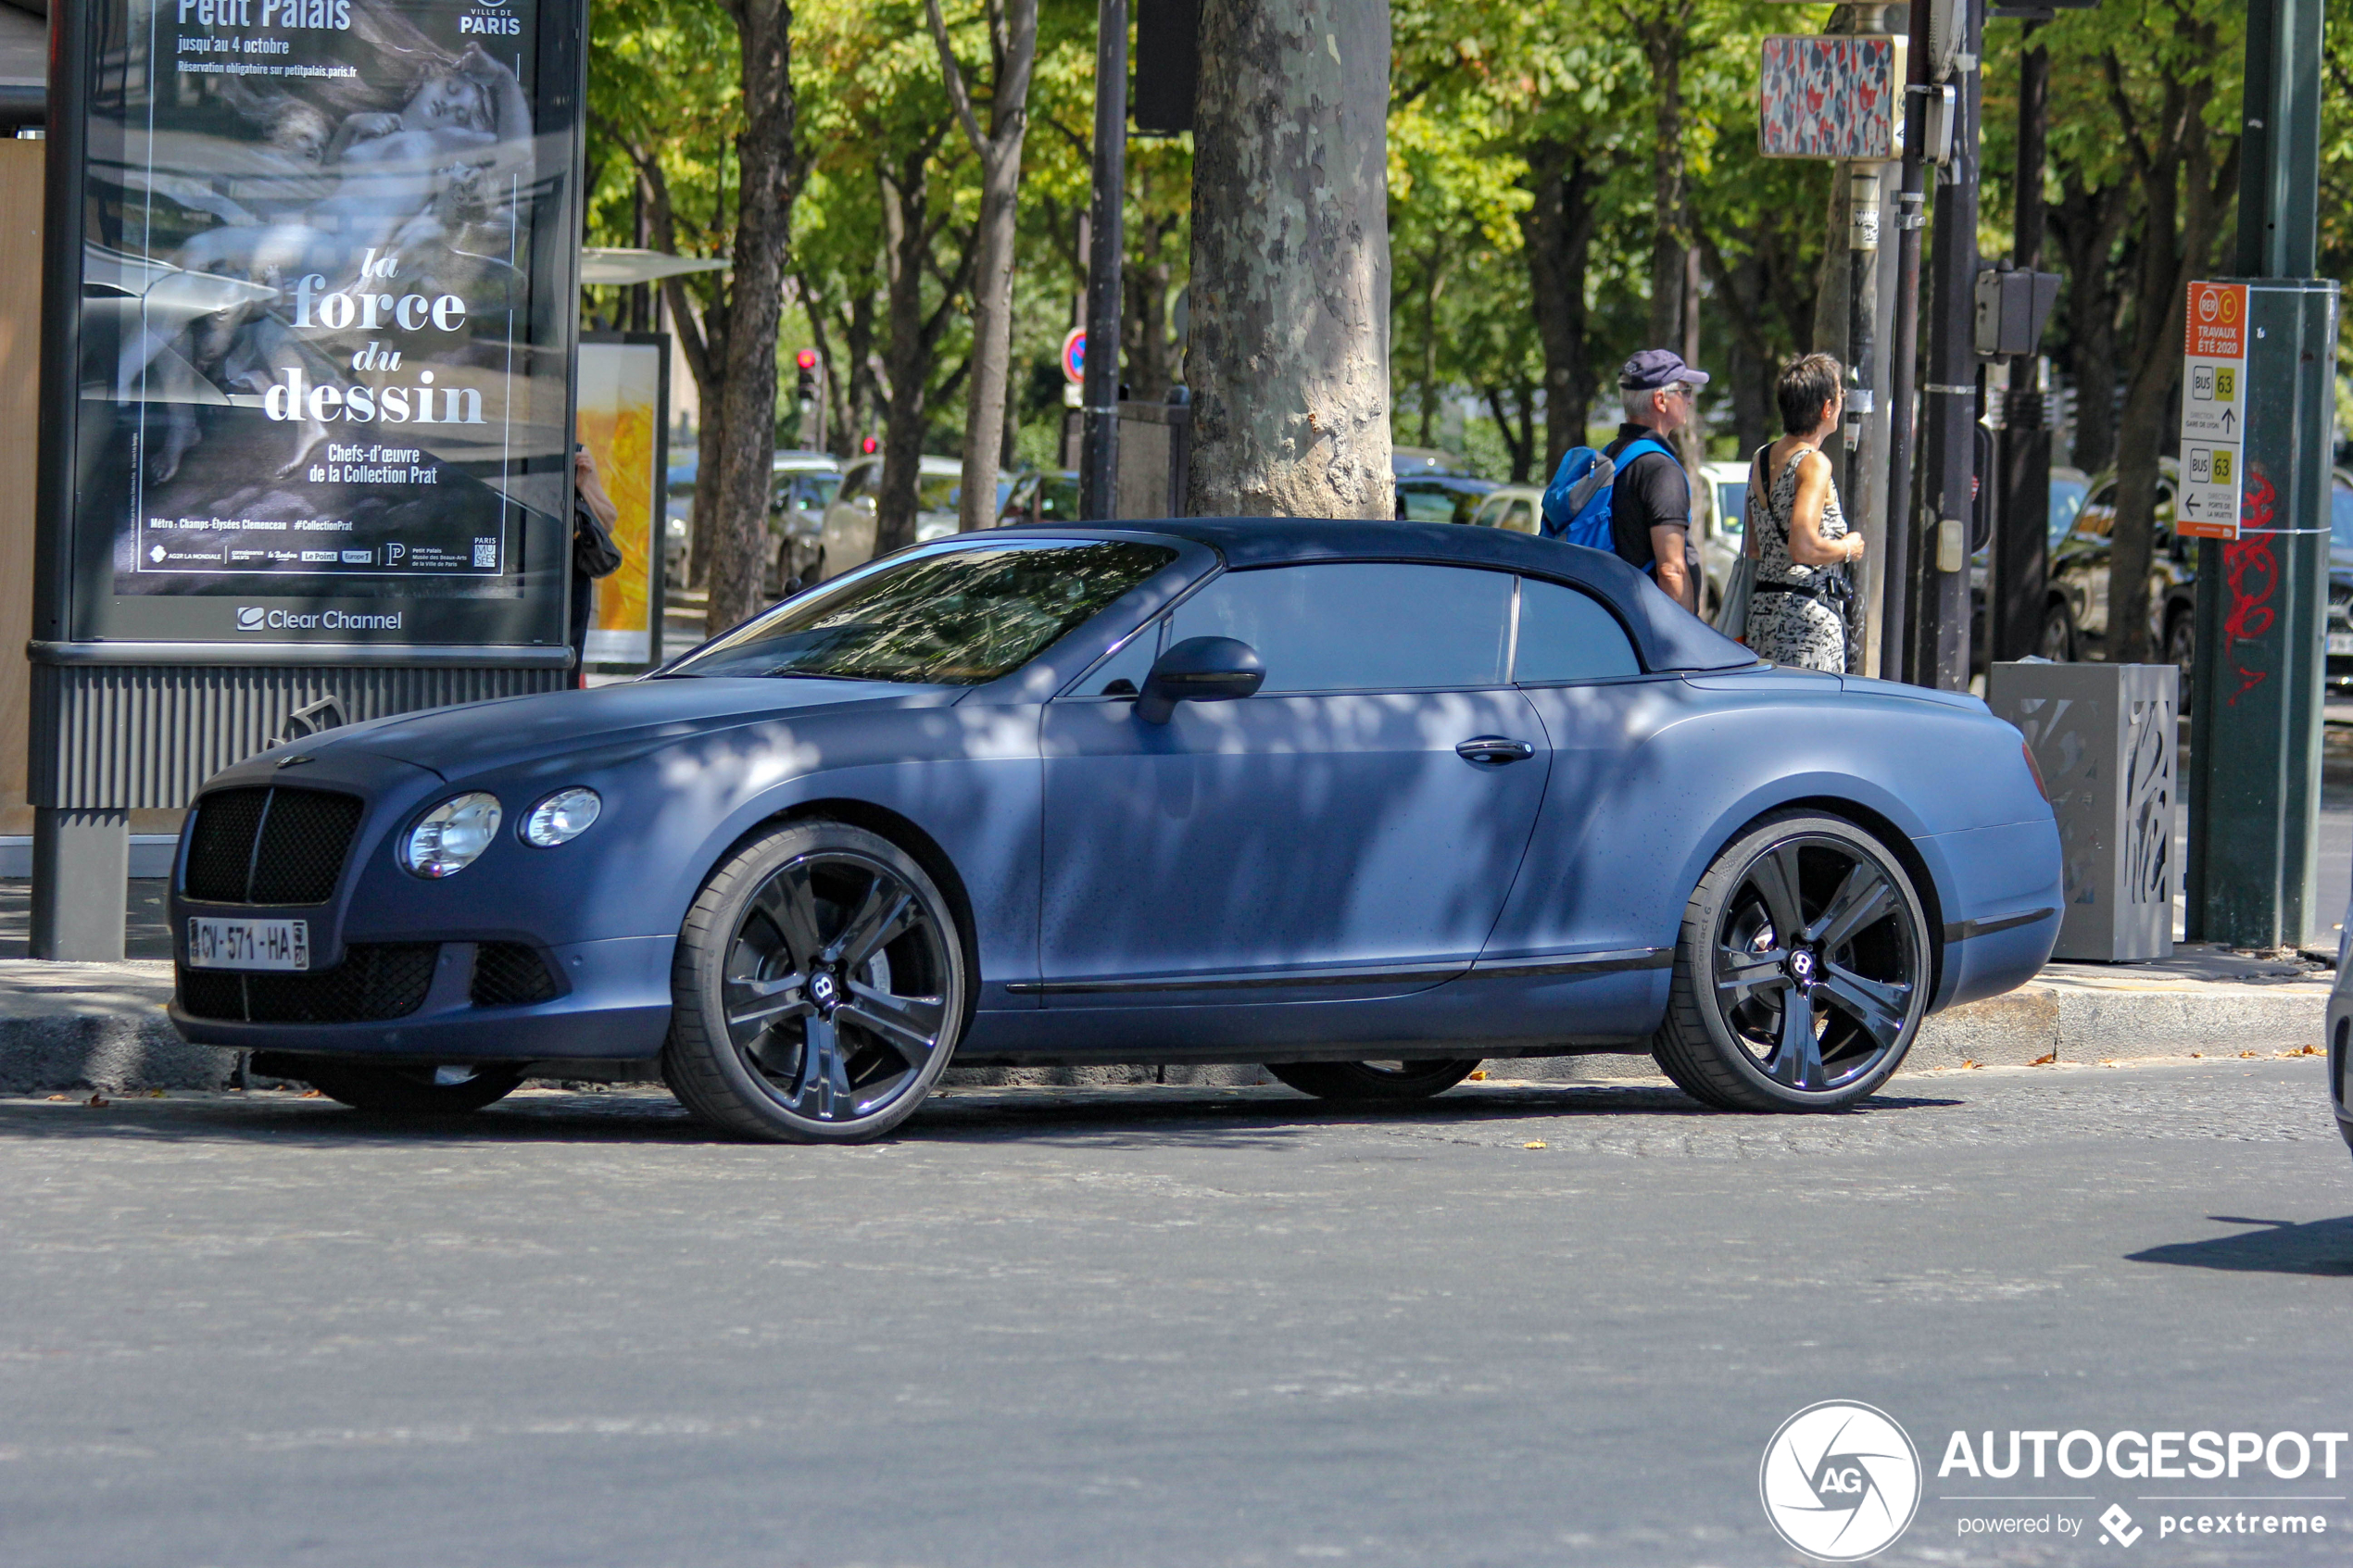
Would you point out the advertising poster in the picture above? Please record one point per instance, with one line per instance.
(325, 323)
(623, 421)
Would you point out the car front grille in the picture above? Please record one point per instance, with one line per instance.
(270, 845)
(2340, 609)
(510, 974)
(376, 981)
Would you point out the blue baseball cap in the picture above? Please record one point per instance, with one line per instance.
(1656, 368)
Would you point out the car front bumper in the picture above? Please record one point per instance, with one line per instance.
(615, 1005)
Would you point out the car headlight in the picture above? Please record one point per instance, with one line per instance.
(561, 817)
(452, 836)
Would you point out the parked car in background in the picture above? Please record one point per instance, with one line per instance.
(2075, 620)
(1440, 497)
(847, 534)
(1424, 462)
(1516, 508)
(802, 489)
(2069, 488)
(1723, 533)
(2340, 620)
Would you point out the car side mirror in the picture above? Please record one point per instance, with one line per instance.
(1199, 669)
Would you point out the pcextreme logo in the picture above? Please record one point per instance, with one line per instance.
(1841, 1481)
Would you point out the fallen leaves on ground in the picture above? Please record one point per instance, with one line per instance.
(2047, 1059)
(1534, 1143)
(312, 1094)
(97, 1103)
(1479, 1076)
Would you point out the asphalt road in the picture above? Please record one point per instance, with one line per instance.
(1146, 1327)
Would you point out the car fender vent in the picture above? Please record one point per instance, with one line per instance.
(512, 974)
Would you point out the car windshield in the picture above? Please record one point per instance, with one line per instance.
(936, 493)
(2341, 516)
(954, 617)
(1731, 506)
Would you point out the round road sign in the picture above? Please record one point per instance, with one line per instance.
(1074, 356)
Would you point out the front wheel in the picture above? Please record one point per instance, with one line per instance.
(411, 1091)
(1391, 1081)
(1801, 973)
(2058, 642)
(819, 988)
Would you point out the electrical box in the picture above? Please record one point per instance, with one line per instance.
(2011, 309)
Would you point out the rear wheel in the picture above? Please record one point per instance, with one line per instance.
(1373, 1080)
(1801, 974)
(2057, 643)
(411, 1091)
(819, 988)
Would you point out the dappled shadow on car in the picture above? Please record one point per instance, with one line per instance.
(2273, 1247)
(649, 1116)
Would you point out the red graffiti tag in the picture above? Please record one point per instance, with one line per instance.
(2253, 575)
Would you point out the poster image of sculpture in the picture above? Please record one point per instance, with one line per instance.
(306, 285)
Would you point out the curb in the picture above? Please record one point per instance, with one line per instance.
(102, 1028)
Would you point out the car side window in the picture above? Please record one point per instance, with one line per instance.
(1565, 636)
(1349, 627)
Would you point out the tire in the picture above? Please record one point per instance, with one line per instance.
(412, 1091)
(1373, 1080)
(821, 984)
(2057, 643)
(1860, 964)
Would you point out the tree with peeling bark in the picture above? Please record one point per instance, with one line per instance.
(1013, 51)
(1288, 351)
(728, 335)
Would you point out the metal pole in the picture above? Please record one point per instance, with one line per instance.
(1099, 441)
(1896, 591)
(1862, 306)
(2020, 557)
(2256, 695)
(1949, 412)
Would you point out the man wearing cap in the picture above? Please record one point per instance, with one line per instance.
(1650, 505)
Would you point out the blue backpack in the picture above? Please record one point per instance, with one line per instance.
(1576, 502)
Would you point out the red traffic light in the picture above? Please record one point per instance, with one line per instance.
(869, 446)
(806, 358)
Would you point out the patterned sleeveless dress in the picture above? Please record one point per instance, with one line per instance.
(1795, 629)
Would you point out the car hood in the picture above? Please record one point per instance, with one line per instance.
(456, 742)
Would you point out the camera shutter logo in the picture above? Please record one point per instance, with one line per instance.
(1840, 1481)
(249, 617)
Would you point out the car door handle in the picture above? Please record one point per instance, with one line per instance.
(1493, 751)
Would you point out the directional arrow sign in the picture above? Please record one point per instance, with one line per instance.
(2213, 409)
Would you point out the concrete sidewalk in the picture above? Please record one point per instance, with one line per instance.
(88, 1027)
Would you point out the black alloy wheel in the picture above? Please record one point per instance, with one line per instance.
(819, 989)
(1802, 974)
(1373, 1080)
(2057, 643)
(410, 1090)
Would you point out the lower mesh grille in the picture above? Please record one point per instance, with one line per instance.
(510, 974)
(376, 981)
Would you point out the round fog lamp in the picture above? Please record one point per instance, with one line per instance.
(561, 817)
(452, 835)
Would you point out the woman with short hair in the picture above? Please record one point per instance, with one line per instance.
(1798, 538)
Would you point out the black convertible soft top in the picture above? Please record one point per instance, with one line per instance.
(1671, 636)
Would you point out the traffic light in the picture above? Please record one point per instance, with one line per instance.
(807, 361)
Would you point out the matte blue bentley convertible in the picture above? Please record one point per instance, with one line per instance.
(1367, 802)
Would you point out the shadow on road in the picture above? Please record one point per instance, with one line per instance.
(2277, 1247)
(1191, 1116)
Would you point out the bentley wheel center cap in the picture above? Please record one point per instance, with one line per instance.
(822, 991)
(1801, 967)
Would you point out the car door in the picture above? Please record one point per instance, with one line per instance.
(1350, 831)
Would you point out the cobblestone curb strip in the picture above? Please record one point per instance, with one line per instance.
(102, 1028)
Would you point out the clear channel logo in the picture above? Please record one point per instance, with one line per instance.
(1841, 1481)
(249, 617)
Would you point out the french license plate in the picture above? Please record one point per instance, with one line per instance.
(2341, 642)
(248, 944)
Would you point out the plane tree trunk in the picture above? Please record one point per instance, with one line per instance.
(1287, 347)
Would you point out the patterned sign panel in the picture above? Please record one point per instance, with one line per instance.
(1832, 97)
